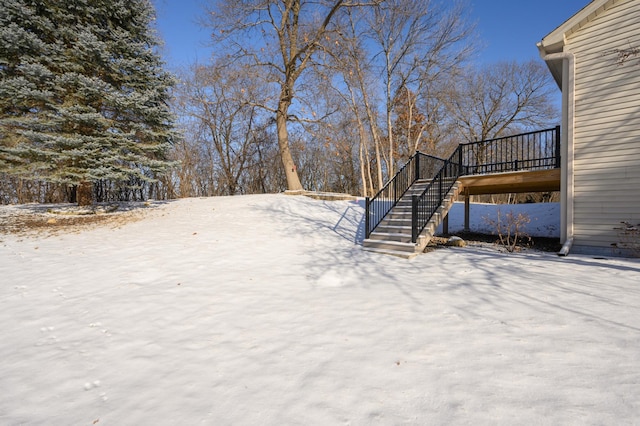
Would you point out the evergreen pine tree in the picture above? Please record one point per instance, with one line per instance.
(83, 95)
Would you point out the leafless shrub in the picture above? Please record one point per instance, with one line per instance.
(510, 228)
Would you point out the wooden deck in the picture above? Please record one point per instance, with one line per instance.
(502, 183)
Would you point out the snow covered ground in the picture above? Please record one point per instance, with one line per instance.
(265, 310)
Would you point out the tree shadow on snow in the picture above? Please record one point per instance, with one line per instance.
(349, 224)
(337, 254)
(490, 284)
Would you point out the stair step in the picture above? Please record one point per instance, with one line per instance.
(394, 228)
(389, 245)
(401, 208)
(391, 236)
(398, 216)
(393, 223)
(414, 191)
(396, 253)
(399, 213)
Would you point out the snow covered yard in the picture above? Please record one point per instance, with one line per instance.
(265, 310)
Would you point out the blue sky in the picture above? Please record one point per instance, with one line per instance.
(508, 29)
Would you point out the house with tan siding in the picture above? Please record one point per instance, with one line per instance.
(594, 57)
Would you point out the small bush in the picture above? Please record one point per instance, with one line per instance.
(510, 228)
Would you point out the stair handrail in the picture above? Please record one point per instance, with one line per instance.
(425, 205)
(378, 206)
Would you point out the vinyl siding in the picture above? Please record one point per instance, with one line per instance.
(607, 127)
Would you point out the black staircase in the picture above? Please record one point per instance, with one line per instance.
(538, 150)
(419, 167)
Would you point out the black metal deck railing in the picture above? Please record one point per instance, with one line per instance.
(527, 151)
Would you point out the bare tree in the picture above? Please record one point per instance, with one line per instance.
(223, 129)
(354, 65)
(494, 100)
(329, 148)
(420, 124)
(416, 42)
(288, 34)
(393, 60)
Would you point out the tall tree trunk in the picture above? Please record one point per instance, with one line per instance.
(85, 193)
(72, 194)
(290, 169)
(374, 131)
(390, 163)
(364, 162)
(363, 175)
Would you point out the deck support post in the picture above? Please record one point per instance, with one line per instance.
(467, 197)
(445, 225)
(367, 204)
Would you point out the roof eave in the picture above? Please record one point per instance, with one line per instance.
(555, 41)
(554, 65)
